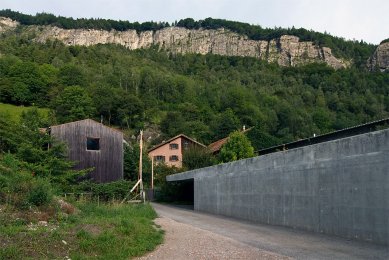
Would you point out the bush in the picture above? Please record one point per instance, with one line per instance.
(197, 157)
(40, 193)
(19, 187)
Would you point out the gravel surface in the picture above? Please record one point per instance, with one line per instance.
(183, 241)
(279, 241)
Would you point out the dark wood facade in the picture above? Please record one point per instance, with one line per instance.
(92, 144)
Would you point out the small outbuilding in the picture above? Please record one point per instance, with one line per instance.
(93, 145)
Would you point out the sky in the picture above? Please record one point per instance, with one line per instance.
(350, 19)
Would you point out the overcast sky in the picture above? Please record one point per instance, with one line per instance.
(366, 20)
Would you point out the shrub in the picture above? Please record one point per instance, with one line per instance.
(18, 186)
(40, 193)
(197, 157)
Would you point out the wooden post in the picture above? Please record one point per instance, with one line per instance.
(140, 165)
(140, 154)
(152, 173)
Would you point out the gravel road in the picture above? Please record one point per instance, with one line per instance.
(196, 235)
(184, 241)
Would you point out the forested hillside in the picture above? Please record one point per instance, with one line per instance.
(203, 96)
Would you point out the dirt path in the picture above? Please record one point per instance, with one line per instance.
(183, 241)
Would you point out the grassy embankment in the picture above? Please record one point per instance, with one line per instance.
(16, 111)
(36, 224)
(103, 232)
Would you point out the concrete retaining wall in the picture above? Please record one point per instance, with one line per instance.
(339, 188)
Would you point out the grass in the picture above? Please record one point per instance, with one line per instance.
(98, 232)
(16, 111)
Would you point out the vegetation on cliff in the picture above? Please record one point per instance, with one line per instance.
(82, 23)
(385, 41)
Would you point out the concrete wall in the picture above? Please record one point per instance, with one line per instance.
(339, 188)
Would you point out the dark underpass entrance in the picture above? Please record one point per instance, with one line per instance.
(182, 193)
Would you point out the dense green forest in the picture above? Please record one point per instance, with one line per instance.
(358, 51)
(202, 96)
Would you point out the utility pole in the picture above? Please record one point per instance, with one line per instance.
(152, 173)
(142, 194)
(140, 180)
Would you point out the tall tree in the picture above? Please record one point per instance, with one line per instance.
(73, 103)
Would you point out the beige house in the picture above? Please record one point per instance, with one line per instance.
(171, 151)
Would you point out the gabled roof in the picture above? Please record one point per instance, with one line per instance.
(68, 123)
(90, 120)
(216, 146)
(172, 139)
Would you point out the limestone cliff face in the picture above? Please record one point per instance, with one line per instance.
(286, 51)
(7, 24)
(380, 59)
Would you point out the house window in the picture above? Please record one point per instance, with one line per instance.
(186, 145)
(159, 158)
(173, 158)
(173, 146)
(93, 144)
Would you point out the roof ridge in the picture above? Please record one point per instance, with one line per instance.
(173, 138)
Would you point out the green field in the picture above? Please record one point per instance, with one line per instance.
(16, 111)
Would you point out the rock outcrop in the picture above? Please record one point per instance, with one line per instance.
(7, 24)
(286, 50)
(380, 59)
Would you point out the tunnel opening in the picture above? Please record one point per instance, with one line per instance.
(184, 193)
(178, 193)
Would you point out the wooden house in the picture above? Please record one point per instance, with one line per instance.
(92, 144)
(171, 151)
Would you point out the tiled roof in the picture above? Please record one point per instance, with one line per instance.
(216, 146)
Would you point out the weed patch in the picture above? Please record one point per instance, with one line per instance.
(97, 231)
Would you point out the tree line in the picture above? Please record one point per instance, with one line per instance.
(81, 23)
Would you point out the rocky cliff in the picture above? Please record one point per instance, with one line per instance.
(7, 24)
(286, 50)
(380, 59)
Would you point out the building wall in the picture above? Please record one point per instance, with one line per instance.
(165, 150)
(108, 161)
(339, 188)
